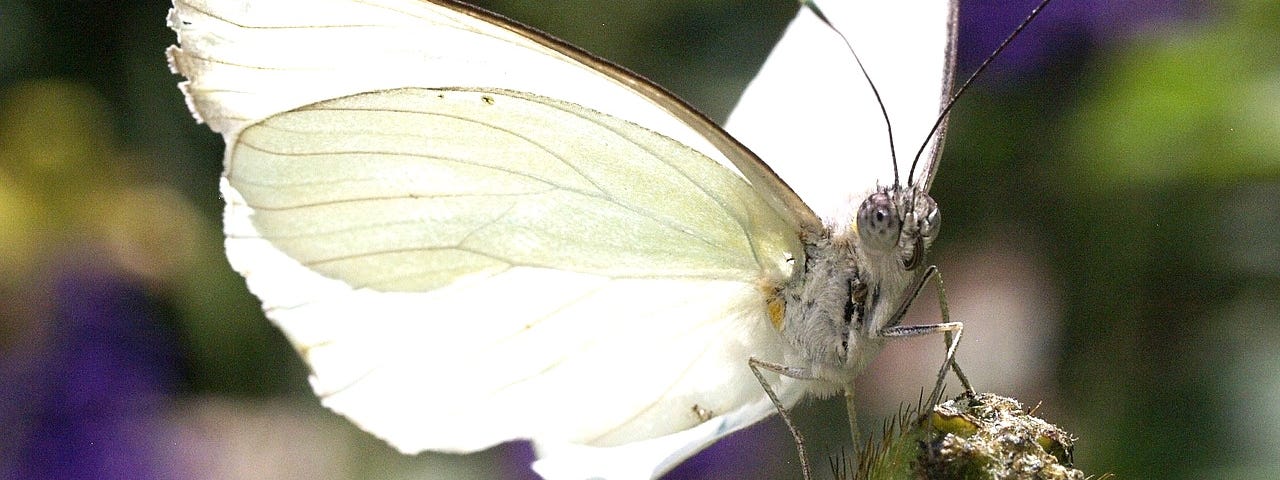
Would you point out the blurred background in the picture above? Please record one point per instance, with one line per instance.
(1110, 189)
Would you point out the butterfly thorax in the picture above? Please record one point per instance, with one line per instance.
(821, 313)
(855, 284)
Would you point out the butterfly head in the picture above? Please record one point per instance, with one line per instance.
(899, 222)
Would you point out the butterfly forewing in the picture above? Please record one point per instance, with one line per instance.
(411, 189)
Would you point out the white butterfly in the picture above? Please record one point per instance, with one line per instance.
(474, 233)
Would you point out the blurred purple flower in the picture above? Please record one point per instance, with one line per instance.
(87, 402)
(739, 455)
(1066, 29)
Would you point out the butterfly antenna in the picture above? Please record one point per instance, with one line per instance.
(888, 125)
(965, 86)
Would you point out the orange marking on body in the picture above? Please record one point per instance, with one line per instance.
(774, 304)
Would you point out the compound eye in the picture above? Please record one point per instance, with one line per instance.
(879, 225)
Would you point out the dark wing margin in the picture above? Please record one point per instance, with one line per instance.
(949, 73)
(775, 191)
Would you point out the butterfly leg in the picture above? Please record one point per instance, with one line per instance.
(793, 372)
(933, 273)
(951, 334)
(936, 274)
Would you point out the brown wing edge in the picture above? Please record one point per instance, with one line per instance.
(776, 192)
(948, 74)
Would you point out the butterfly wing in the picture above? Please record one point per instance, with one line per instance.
(469, 236)
(811, 114)
(246, 60)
